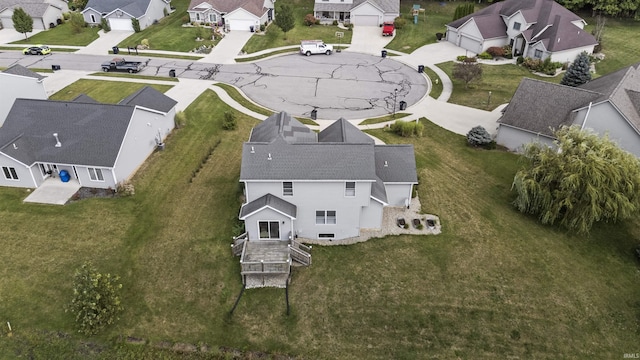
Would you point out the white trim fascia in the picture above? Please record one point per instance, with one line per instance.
(123, 12)
(291, 180)
(528, 131)
(262, 208)
(378, 200)
(16, 160)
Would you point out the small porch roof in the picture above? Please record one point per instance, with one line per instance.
(268, 201)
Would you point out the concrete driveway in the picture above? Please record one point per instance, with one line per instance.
(10, 35)
(368, 40)
(105, 42)
(228, 48)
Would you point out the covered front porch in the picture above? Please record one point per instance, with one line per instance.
(328, 13)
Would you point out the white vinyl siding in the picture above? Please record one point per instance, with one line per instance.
(95, 174)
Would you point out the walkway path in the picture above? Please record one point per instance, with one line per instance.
(228, 48)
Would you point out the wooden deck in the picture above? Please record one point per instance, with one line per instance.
(266, 263)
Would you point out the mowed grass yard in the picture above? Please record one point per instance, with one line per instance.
(274, 37)
(63, 35)
(494, 284)
(433, 20)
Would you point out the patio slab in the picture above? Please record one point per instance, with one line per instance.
(54, 192)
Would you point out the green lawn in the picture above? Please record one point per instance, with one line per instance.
(274, 37)
(620, 44)
(169, 34)
(134, 76)
(436, 83)
(108, 92)
(384, 118)
(501, 80)
(433, 20)
(495, 284)
(63, 35)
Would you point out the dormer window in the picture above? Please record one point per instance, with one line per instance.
(516, 26)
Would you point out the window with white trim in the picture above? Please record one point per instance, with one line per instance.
(269, 230)
(287, 188)
(95, 174)
(350, 188)
(325, 217)
(10, 173)
(197, 16)
(516, 26)
(538, 54)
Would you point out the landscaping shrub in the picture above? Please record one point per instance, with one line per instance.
(262, 27)
(479, 137)
(185, 19)
(335, 23)
(96, 299)
(230, 122)
(496, 51)
(145, 43)
(470, 60)
(519, 60)
(309, 20)
(136, 25)
(104, 25)
(485, 56)
(461, 57)
(463, 10)
(508, 52)
(77, 22)
(579, 72)
(407, 129)
(66, 16)
(399, 22)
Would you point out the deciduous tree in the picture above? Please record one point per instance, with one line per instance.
(284, 19)
(22, 22)
(583, 180)
(467, 72)
(77, 22)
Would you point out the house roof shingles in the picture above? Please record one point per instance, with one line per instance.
(269, 200)
(530, 111)
(20, 70)
(387, 6)
(255, 7)
(343, 131)
(150, 98)
(135, 8)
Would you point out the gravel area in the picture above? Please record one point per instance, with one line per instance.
(390, 225)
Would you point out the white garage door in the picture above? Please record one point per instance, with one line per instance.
(470, 44)
(240, 24)
(7, 22)
(365, 20)
(121, 24)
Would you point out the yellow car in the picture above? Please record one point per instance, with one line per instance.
(37, 50)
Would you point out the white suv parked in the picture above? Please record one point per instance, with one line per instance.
(308, 47)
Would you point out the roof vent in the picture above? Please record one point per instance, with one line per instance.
(386, 164)
(269, 158)
(15, 147)
(253, 151)
(58, 143)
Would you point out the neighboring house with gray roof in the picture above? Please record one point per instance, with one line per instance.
(608, 105)
(43, 12)
(19, 82)
(99, 145)
(327, 186)
(119, 13)
(533, 28)
(357, 12)
(232, 15)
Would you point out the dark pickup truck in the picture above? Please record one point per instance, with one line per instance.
(120, 64)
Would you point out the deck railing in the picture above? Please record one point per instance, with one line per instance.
(265, 267)
(300, 253)
(238, 244)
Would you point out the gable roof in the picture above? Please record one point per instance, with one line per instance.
(270, 201)
(343, 131)
(255, 7)
(35, 8)
(135, 8)
(542, 114)
(283, 126)
(150, 98)
(20, 70)
(551, 23)
(387, 6)
(84, 98)
(396, 163)
(529, 111)
(90, 133)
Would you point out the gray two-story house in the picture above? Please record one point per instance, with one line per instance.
(327, 185)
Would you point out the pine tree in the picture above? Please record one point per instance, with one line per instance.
(284, 19)
(579, 72)
(22, 22)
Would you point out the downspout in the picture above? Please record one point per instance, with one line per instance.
(586, 116)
